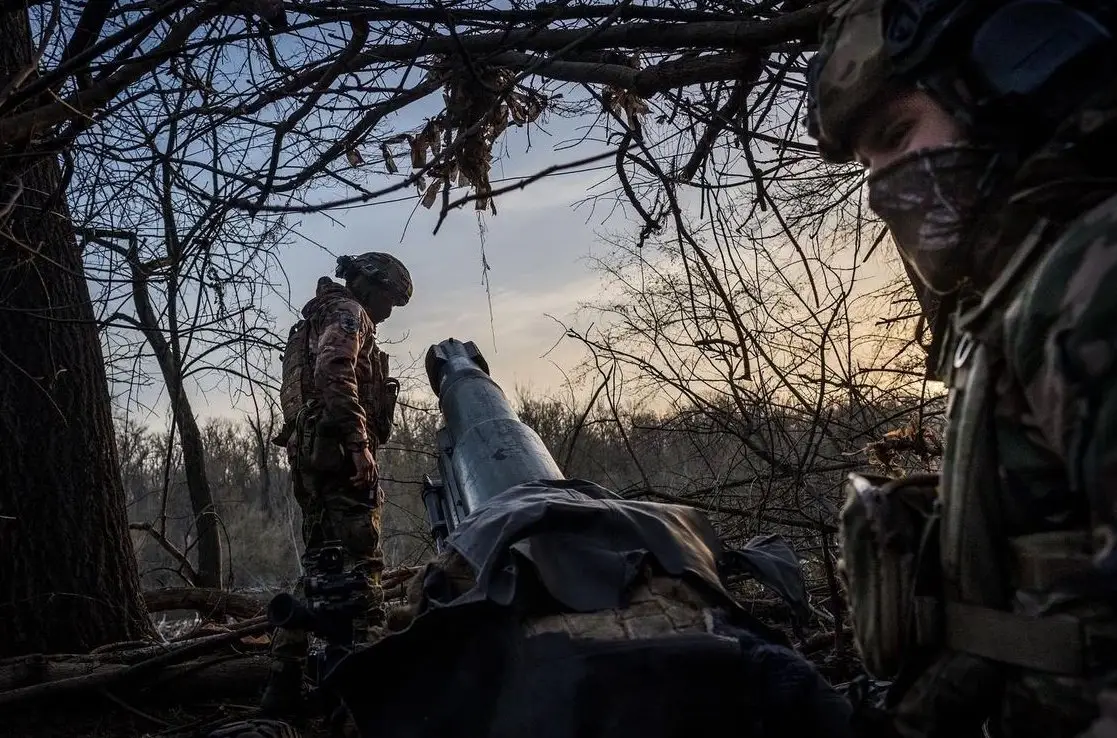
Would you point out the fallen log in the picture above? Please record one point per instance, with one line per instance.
(218, 677)
(215, 603)
(209, 603)
(398, 576)
(213, 677)
(37, 678)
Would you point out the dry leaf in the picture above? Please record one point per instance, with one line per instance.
(519, 115)
(389, 162)
(433, 136)
(499, 127)
(432, 194)
(535, 107)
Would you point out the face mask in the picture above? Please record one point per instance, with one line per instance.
(931, 200)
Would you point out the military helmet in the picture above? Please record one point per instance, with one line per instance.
(1009, 71)
(850, 70)
(382, 268)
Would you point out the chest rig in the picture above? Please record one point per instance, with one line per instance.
(984, 572)
(377, 392)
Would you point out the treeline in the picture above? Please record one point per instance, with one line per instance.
(761, 472)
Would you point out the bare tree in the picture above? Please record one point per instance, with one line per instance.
(185, 276)
(266, 107)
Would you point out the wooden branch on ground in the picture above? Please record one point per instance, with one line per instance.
(213, 604)
(213, 677)
(210, 603)
(401, 575)
(48, 677)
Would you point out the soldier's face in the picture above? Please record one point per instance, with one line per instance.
(906, 122)
(929, 185)
(379, 305)
(377, 301)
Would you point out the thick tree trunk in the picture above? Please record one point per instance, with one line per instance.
(68, 579)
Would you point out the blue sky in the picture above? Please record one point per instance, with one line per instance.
(535, 247)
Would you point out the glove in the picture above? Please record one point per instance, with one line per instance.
(367, 472)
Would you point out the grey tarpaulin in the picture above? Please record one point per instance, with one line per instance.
(466, 666)
(585, 544)
(772, 562)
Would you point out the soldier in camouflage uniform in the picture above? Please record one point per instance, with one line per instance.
(338, 402)
(987, 130)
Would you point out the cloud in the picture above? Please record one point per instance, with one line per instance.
(535, 249)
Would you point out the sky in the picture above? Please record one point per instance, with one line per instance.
(536, 248)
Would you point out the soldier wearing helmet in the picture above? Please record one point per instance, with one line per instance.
(338, 404)
(987, 131)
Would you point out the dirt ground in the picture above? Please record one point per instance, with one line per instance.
(111, 720)
(106, 716)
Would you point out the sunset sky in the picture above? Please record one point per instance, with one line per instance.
(535, 246)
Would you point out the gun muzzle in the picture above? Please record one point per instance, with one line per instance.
(284, 611)
(489, 448)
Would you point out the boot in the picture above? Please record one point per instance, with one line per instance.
(283, 697)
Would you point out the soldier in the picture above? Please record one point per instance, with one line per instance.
(338, 402)
(987, 130)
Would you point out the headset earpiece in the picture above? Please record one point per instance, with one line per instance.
(1014, 68)
(1033, 50)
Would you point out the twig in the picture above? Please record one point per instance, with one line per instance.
(131, 673)
(135, 711)
(191, 573)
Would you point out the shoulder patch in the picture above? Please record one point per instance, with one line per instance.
(349, 322)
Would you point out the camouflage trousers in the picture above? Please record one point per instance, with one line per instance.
(333, 512)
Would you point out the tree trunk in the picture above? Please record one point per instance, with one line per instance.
(206, 523)
(68, 579)
(262, 435)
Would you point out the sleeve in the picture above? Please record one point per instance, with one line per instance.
(335, 374)
(1062, 341)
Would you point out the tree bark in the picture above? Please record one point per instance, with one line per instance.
(68, 578)
(210, 556)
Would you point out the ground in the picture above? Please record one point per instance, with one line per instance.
(110, 720)
(105, 717)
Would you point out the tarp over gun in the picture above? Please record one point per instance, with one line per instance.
(579, 614)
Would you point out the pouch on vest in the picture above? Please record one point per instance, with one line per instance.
(889, 568)
(298, 371)
(384, 420)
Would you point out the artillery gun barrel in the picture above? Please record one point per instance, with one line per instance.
(486, 447)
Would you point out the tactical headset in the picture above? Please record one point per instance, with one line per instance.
(1009, 70)
(1013, 69)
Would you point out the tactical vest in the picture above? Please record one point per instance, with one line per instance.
(966, 610)
(297, 387)
(377, 394)
(982, 574)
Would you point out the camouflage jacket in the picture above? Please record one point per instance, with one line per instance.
(1031, 453)
(345, 362)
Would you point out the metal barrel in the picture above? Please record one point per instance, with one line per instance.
(491, 448)
(284, 611)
